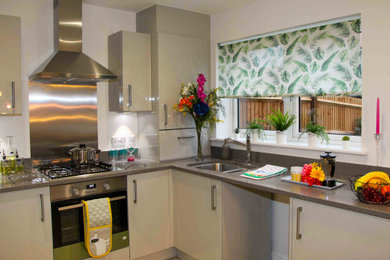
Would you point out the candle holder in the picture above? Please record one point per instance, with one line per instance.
(378, 137)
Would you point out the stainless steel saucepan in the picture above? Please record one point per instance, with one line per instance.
(82, 154)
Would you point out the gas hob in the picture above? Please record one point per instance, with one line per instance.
(69, 169)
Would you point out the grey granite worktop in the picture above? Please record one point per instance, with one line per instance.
(341, 198)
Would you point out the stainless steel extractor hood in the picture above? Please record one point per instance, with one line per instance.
(68, 64)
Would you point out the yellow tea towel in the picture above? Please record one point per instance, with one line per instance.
(97, 226)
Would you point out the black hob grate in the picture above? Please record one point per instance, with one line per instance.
(68, 169)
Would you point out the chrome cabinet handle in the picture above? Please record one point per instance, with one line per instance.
(186, 137)
(42, 208)
(298, 234)
(165, 114)
(13, 94)
(135, 191)
(130, 95)
(213, 202)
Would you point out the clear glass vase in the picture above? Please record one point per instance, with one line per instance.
(199, 155)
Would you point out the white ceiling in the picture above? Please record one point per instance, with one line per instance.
(200, 6)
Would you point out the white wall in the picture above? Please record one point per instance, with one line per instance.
(266, 16)
(98, 23)
(37, 45)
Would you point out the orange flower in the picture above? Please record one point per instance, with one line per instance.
(185, 102)
(317, 173)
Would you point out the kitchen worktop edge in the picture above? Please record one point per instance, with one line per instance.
(342, 198)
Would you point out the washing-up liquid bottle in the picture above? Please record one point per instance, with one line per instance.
(10, 159)
(19, 163)
(5, 164)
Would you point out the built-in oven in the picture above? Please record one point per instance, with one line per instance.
(67, 215)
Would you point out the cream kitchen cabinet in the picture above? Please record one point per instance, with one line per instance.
(180, 59)
(197, 209)
(246, 217)
(150, 212)
(10, 66)
(25, 225)
(129, 56)
(323, 232)
(180, 51)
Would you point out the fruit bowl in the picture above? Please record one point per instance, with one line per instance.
(370, 192)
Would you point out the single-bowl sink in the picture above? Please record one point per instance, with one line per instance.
(219, 167)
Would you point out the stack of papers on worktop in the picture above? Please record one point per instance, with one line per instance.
(265, 172)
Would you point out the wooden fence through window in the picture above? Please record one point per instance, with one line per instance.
(338, 114)
(251, 109)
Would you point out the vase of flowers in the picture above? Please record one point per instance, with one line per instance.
(203, 107)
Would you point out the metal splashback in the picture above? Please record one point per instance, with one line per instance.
(68, 64)
(61, 117)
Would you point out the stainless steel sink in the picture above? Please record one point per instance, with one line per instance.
(219, 167)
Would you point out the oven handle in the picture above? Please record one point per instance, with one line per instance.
(80, 205)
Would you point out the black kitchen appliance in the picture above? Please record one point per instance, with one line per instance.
(67, 215)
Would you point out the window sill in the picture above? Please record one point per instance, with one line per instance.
(299, 146)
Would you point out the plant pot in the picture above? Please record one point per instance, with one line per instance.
(236, 136)
(358, 130)
(281, 137)
(255, 138)
(346, 145)
(312, 140)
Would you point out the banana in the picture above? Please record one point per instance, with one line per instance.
(377, 178)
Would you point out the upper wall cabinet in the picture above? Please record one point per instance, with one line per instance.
(180, 60)
(129, 56)
(10, 66)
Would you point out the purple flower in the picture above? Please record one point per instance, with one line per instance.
(201, 109)
(201, 94)
(201, 80)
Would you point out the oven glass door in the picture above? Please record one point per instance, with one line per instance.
(68, 225)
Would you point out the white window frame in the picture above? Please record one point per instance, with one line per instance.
(291, 105)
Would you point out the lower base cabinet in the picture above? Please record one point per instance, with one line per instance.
(25, 225)
(150, 212)
(323, 232)
(197, 207)
(246, 215)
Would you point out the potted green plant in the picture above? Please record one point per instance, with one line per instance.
(236, 133)
(346, 142)
(314, 133)
(280, 122)
(255, 130)
(358, 126)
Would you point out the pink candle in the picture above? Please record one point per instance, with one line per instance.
(377, 116)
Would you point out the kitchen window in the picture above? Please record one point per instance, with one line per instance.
(311, 72)
(250, 109)
(341, 115)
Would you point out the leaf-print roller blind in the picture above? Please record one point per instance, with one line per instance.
(323, 60)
